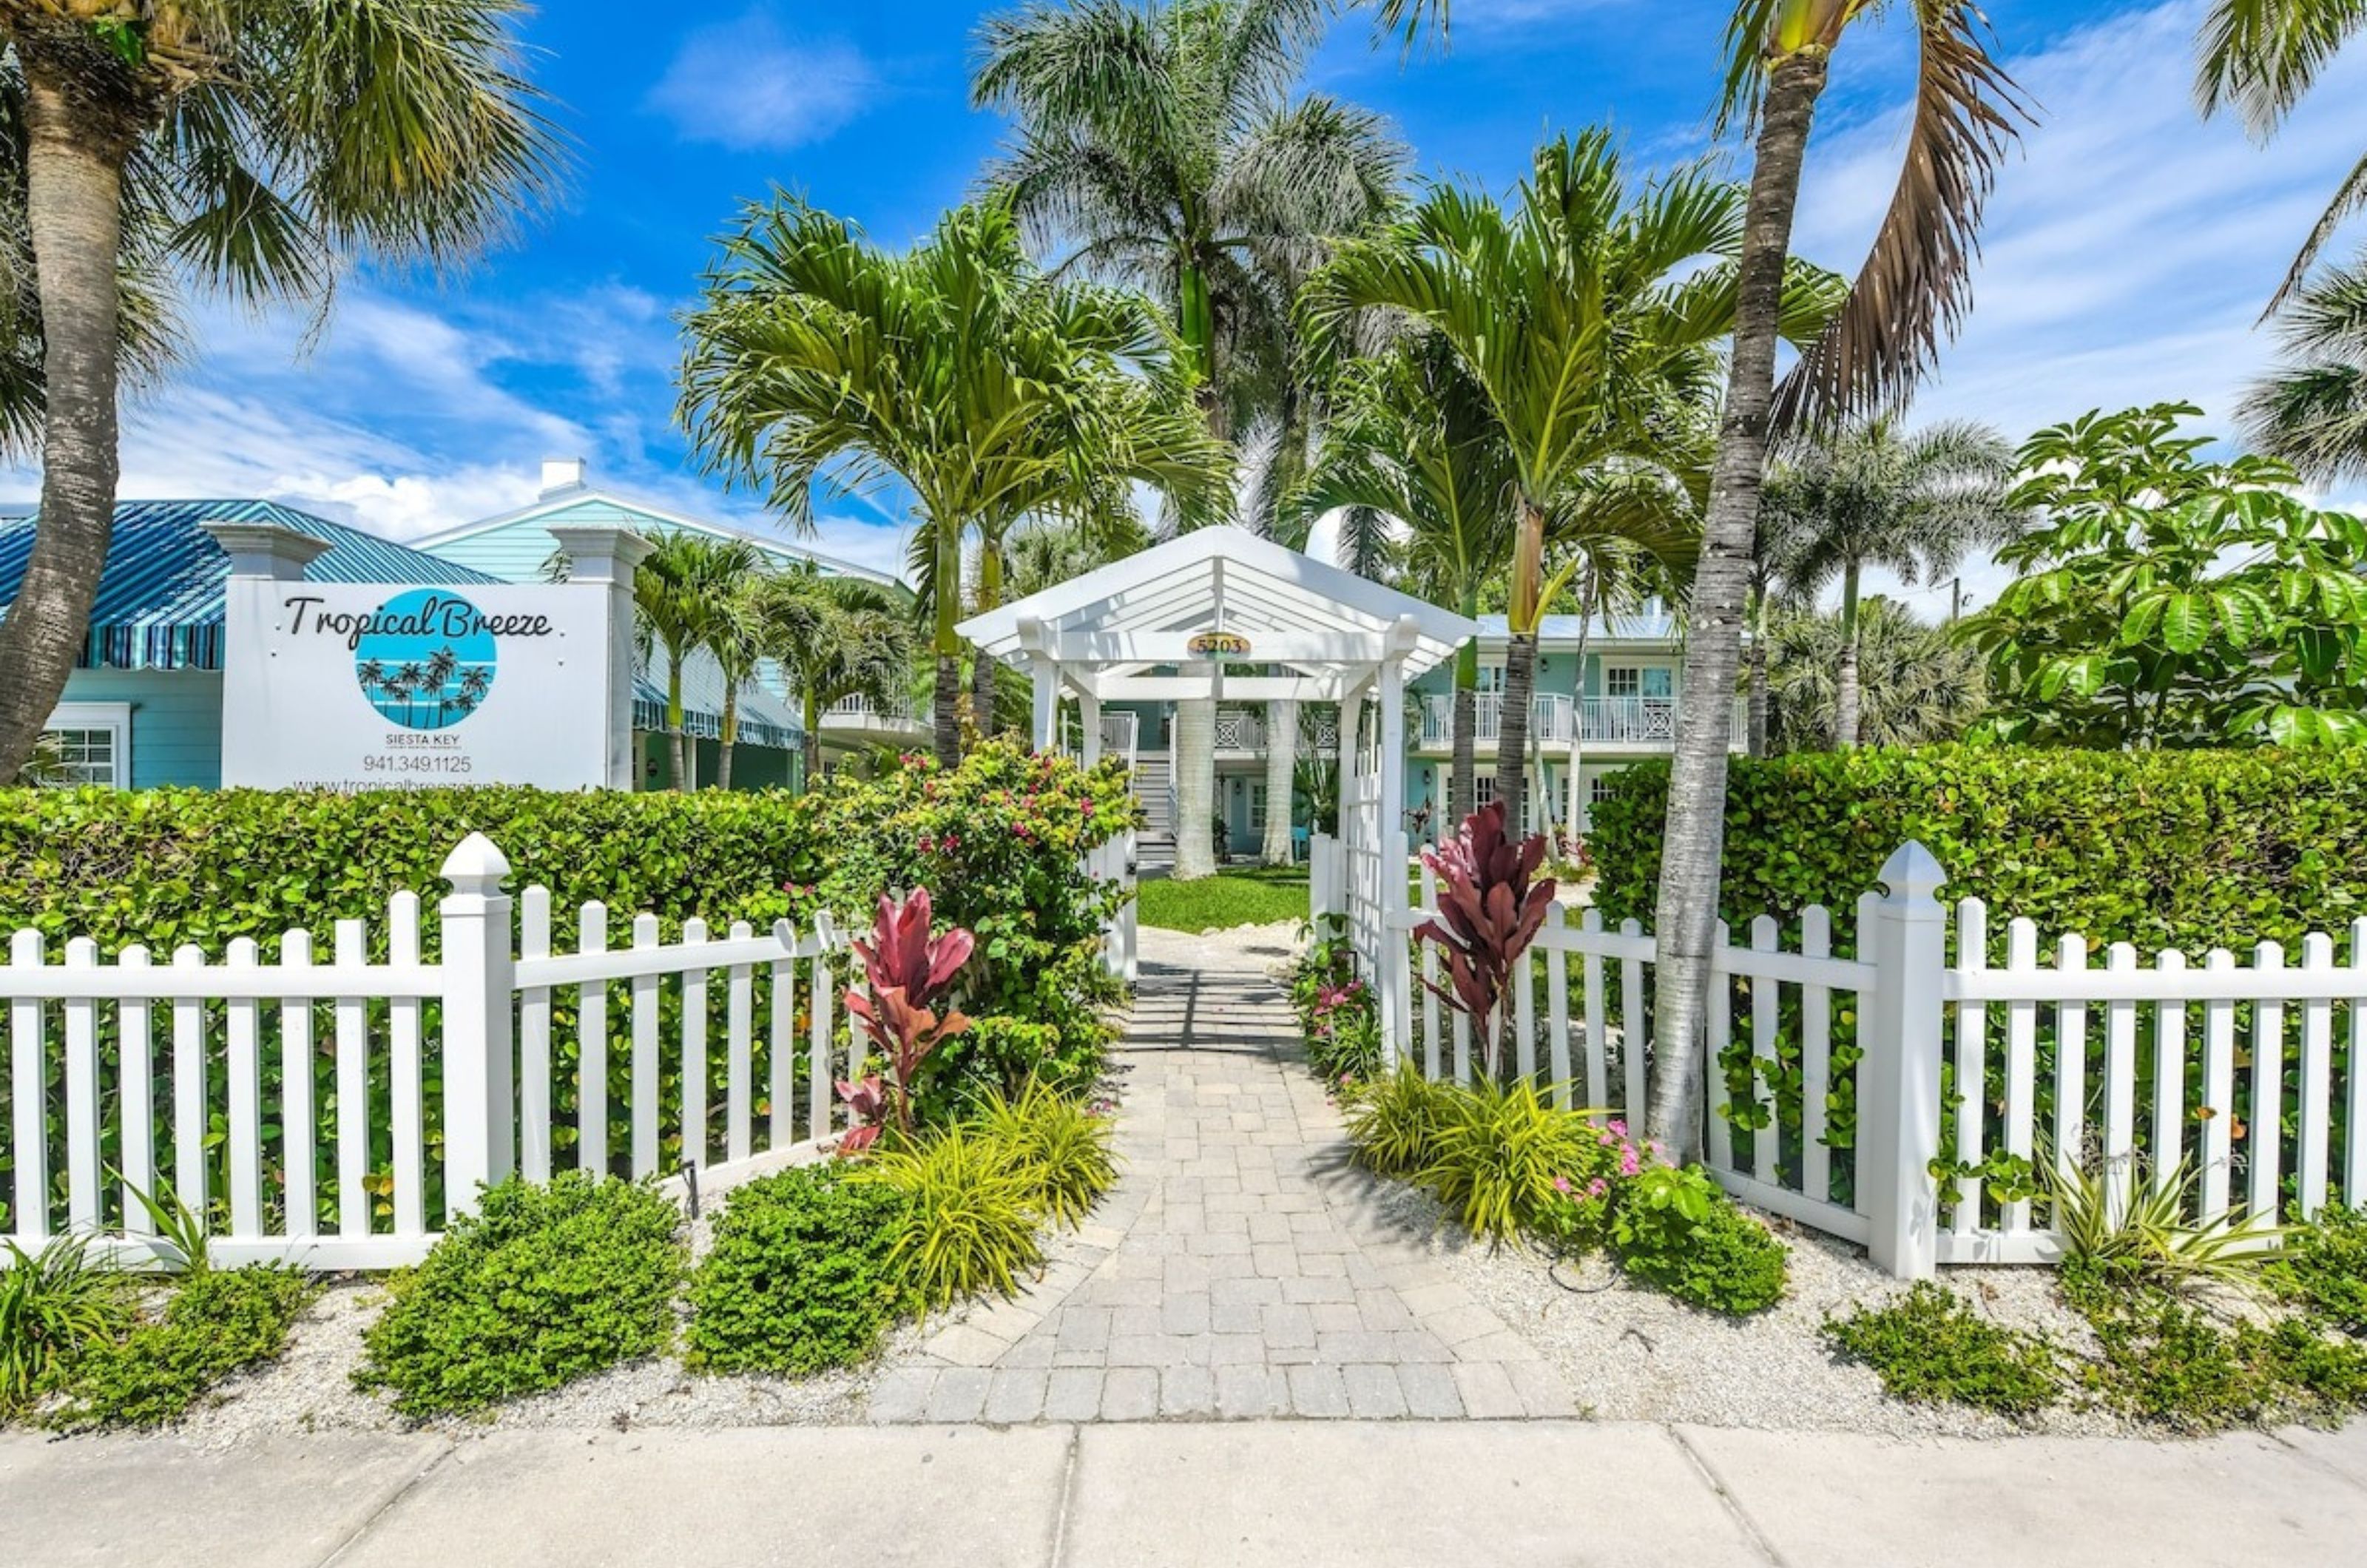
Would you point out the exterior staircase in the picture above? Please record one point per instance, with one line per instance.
(1153, 785)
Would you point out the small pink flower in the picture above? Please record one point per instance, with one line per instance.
(1561, 1185)
(1628, 1164)
(1605, 1139)
(1618, 1128)
(1597, 1187)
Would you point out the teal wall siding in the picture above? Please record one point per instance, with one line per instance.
(175, 721)
(515, 552)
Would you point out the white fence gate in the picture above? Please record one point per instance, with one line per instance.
(1844, 1081)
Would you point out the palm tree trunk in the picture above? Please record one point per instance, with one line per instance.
(73, 172)
(1694, 842)
(1196, 788)
(1281, 753)
(1520, 662)
(675, 720)
(1845, 680)
(1463, 782)
(947, 589)
(731, 739)
(1758, 675)
(813, 743)
(990, 594)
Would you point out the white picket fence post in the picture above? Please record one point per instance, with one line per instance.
(479, 1097)
(1899, 1079)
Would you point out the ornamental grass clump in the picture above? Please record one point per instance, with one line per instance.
(542, 1285)
(970, 1214)
(1499, 1157)
(52, 1303)
(1059, 1147)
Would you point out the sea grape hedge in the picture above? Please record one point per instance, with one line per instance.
(2184, 850)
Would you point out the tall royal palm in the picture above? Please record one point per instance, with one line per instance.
(1163, 146)
(1411, 438)
(1588, 316)
(245, 146)
(1909, 295)
(1911, 504)
(955, 370)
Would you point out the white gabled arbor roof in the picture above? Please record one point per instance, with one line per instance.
(1110, 634)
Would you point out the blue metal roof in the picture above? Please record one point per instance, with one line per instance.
(160, 600)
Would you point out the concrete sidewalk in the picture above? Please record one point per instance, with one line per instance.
(1304, 1493)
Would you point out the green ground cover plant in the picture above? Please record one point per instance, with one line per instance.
(544, 1284)
(2322, 1270)
(801, 1276)
(215, 1323)
(1674, 1230)
(1930, 1348)
(1236, 896)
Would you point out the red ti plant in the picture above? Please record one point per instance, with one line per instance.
(907, 970)
(1489, 909)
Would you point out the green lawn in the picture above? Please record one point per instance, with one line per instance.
(1236, 896)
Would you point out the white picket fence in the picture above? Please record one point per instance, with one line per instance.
(2087, 1063)
(351, 1039)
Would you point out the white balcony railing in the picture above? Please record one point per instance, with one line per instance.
(1121, 732)
(1609, 721)
(861, 708)
(1240, 730)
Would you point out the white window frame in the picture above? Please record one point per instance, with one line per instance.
(1639, 669)
(1257, 807)
(113, 718)
(1490, 681)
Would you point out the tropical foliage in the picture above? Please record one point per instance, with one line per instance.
(1588, 317)
(2173, 599)
(690, 598)
(1876, 496)
(1490, 902)
(252, 150)
(1917, 683)
(957, 370)
(2311, 410)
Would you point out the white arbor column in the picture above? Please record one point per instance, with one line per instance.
(1390, 972)
(1195, 787)
(1044, 733)
(1281, 759)
(1089, 712)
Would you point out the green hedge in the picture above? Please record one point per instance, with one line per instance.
(2187, 849)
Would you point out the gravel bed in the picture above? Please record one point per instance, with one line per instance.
(1631, 1354)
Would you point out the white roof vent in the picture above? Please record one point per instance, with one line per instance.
(561, 474)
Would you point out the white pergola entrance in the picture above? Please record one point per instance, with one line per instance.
(1175, 622)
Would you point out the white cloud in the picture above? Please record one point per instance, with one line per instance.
(747, 84)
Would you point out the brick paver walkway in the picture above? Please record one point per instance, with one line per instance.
(1241, 1269)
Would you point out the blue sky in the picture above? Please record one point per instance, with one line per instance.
(2131, 246)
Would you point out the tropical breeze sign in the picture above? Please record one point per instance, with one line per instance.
(353, 686)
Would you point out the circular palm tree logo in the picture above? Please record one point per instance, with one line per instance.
(429, 663)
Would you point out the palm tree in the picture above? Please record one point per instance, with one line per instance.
(1413, 438)
(408, 682)
(833, 637)
(1771, 552)
(682, 591)
(2262, 57)
(1166, 145)
(735, 640)
(1908, 296)
(2312, 410)
(1873, 496)
(1921, 685)
(1582, 319)
(248, 148)
(440, 665)
(957, 370)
